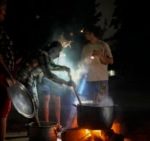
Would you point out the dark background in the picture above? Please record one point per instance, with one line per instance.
(130, 86)
(131, 53)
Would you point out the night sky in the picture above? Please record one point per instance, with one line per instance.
(31, 22)
(133, 38)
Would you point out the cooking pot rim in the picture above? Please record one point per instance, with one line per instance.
(95, 105)
(34, 124)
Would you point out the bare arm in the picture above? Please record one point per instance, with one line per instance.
(9, 78)
(106, 59)
(58, 80)
(104, 54)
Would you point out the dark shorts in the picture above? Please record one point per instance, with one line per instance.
(92, 89)
(49, 87)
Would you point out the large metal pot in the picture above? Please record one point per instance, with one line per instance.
(92, 116)
(45, 132)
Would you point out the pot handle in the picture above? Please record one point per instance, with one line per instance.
(74, 89)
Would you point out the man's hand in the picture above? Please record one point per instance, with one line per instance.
(96, 53)
(103, 57)
(71, 83)
(10, 82)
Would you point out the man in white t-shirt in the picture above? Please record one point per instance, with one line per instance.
(96, 56)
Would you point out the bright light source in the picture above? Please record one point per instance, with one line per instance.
(58, 139)
(92, 57)
(65, 43)
(112, 73)
(62, 55)
(81, 31)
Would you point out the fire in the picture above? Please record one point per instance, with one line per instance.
(96, 135)
(93, 134)
(78, 134)
(117, 127)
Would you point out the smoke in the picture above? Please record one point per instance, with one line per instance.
(106, 101)
(76, 72)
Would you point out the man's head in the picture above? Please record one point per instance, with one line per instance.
(65, 40)
(55, 49)
(92, 31)
(2, 10)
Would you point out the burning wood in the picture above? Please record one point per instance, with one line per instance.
(81, 135)
(90, 135)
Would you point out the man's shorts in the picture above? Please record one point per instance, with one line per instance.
(92, 89)
(49, 87)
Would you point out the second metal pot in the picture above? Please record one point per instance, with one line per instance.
(45, 132)
(92, 116)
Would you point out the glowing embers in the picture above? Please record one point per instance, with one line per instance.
(78, 134)
(117, 127)
(81, 134)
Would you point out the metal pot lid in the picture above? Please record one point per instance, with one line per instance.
(22, 100)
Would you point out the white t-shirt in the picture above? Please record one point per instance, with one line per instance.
(96, 71)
